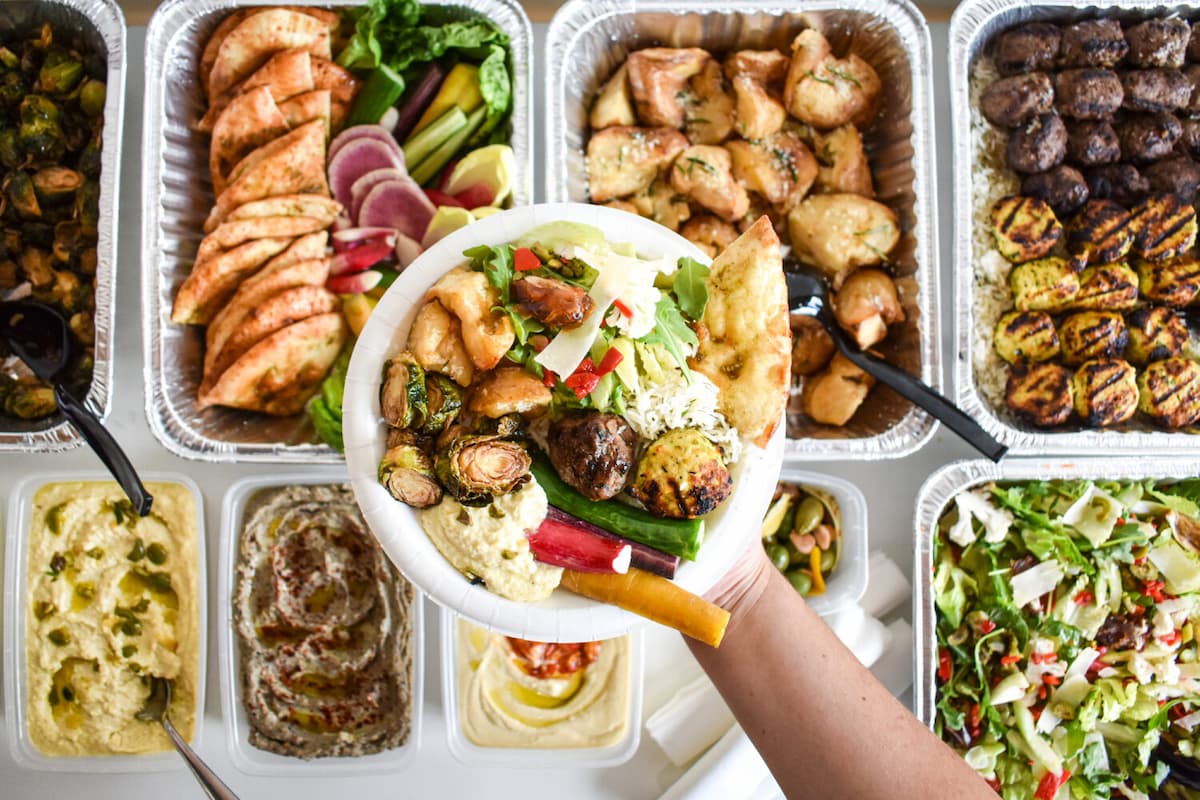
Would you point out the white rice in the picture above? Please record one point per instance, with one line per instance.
(673, 403)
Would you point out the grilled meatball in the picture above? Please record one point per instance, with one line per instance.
(1156, 89)
(592, 452)
(1155, 332)
(1174, 282)
(681, 475)
(1191, 74)
(1063, 188)
(1148, 137)
(1092, 142)
(1025, 228)
(1189, 142)
(1121, 183)
(1026, 337)
(1099, 233)
(1105, 391)
(1010, 101)
(1178, 175)
(1158, 43)
(1164, 226)
(1038, 145)
(1040, 393)
(1027, 48)
(1107, 287)
(1092, 43)
(1048, 284)
(1092, 334)
(812, 346)
(1193, 48)
(1091, 93)
(1169, 392)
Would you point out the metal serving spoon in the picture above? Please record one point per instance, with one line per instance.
(808, 294)
(155, 710)
(41, 338)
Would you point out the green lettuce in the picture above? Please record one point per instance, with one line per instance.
(325, 409)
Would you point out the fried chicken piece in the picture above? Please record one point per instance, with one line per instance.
(435, 341)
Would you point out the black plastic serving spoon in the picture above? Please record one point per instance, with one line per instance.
(41, 338)
(808, 294)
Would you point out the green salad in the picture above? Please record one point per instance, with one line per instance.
(1066, 649)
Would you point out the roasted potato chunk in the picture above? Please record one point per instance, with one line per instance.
(1105, 391)
(613, 106)
(844, 165)
(657, 79)
(711, 234)
(1025, 228)
(831, 397)
(1164, 226)
(1107, 287)
(709, 106)
(622, 161)
(779, 167)
(812, 346)
(1101, 232)
(1092, 334)
(1040, 393)
(1174, 282)
(1026, 337)
(1155, 333)
(824, 91)
(1048, 284)
(437, 344)
(507, 390)
(866, 304)
(838, 233)
(1169, 392)
(756, 77)
(661, 203)
(704, 173)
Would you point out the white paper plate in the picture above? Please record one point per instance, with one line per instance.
(563, 617)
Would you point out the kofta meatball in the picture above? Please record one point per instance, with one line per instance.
(1092, 43)
(1040, 393)
(1191, 74)
(1155, 333)
(1105, 391)
(681, 475)
(1158, 43)
(1092, 142)
(1009, 102)
(1156, 89)
(1063, 188)
(1090, 93)
(1193, 48)
(592, 452)
(1177, 175)
(1148, 137)
(1027, 48)
(1038, 145)
(1189, 141)
(1121, 183)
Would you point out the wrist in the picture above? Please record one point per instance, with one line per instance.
(744, 586)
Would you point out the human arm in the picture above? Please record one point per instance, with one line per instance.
(823, 724)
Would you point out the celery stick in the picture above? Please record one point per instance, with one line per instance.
(419, 146)
(428, 169)
(381, 91)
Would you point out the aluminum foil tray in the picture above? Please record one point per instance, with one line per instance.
(98, 25)
(588, 40)
(177, 196)
(941, 488)
(973, 26)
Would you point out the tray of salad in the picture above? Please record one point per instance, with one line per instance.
(571, 396)
(1056, 648)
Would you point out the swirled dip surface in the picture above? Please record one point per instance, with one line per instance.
(324, 628)
(112, 601)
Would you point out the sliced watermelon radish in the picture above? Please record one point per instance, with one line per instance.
(350, 238)
(357, 259)
(376, 132)
(397, 204)
(356, 158)
(360, 188)
(357, 283)
(407, 250)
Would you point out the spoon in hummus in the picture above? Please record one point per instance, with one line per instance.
(155, 710)
(40, 336)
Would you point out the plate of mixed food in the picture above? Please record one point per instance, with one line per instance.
(566, 395)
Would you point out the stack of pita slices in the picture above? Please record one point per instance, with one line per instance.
(258, 283)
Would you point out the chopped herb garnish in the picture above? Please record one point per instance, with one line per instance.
(96, 553)
(844, 76)
(817, 78)
(44, 608)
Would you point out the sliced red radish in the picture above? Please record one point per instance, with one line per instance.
(397, 204)
(361, 187)
(376, 132)
(357, 283)
(350, 238)
(356, 158)
(439, 198)
(357, 259)
(562, 544)
(407, 250)
(475, 196)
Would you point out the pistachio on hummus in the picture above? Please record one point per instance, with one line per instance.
(517, 693)
(112, 601)
(324, 627)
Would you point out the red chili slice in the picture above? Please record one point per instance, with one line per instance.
(524, 260)
(610, 361)
(582, 383)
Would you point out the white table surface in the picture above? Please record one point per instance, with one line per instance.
(890, 488)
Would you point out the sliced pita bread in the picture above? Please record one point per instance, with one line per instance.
(292, 164)
(259, 36)
(305, 248)
(286, 74)
(342, 85)
(325, 209)
(747, 352)
(280, 373)
(250, 121)
(211, 282)
(286, 308)
(230, 234)
(306, 107)
(209, 56)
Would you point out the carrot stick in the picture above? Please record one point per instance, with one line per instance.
(654, 598)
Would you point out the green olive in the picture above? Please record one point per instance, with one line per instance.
(809, 514)
(779, 556)
(43, 609)
(138, 552)
(828, 561)
(801, 581)
(156, 554)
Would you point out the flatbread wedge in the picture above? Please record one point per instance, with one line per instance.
(211, 282)
(250, 121)
(303, 249)
(342, 85)
(306, 107)
(325, 209)
(294, 164)
(287, 74)
(232, 233)
(209, 56)
(747, 352)
(279, 374)
(253, 40)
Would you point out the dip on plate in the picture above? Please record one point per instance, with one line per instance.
(111, 603)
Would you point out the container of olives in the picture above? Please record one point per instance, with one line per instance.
(815, 533)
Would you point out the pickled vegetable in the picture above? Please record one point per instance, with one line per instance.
(802, 532)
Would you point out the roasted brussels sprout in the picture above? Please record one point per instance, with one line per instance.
(402, 397)
(475, 469)
(407, 473)
(54, 184)
(60, 72)
(40, 133)
(11, 155)
(18, 186)
(681, 475)
(91, 97)
(443, 402)
(26, 399)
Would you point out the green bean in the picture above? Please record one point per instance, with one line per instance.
(809, 514)
(779, 556)
(801, 581)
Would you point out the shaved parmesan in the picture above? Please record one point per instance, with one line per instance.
(1180, 568)
(1036, 581)
(1073, 690)
(977, 505)
(1094, 515)
(1082, 663)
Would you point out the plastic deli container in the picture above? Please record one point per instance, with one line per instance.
(16, 687)
(245, 756)
(473, 755)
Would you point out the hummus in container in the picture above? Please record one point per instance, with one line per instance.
(324, 628)
(112, 601)
(521, 694)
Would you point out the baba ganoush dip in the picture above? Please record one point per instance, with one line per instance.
(517, 693)
(112, 602)
(324, 627)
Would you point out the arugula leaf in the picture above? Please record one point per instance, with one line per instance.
(673, 333)
(691, 287)
(523, 326)
(497, 264)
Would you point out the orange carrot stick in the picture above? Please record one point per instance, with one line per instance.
(654, 598)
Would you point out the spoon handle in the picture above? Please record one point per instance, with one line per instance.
(214, 787)
(106, 447)
(917, 392)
